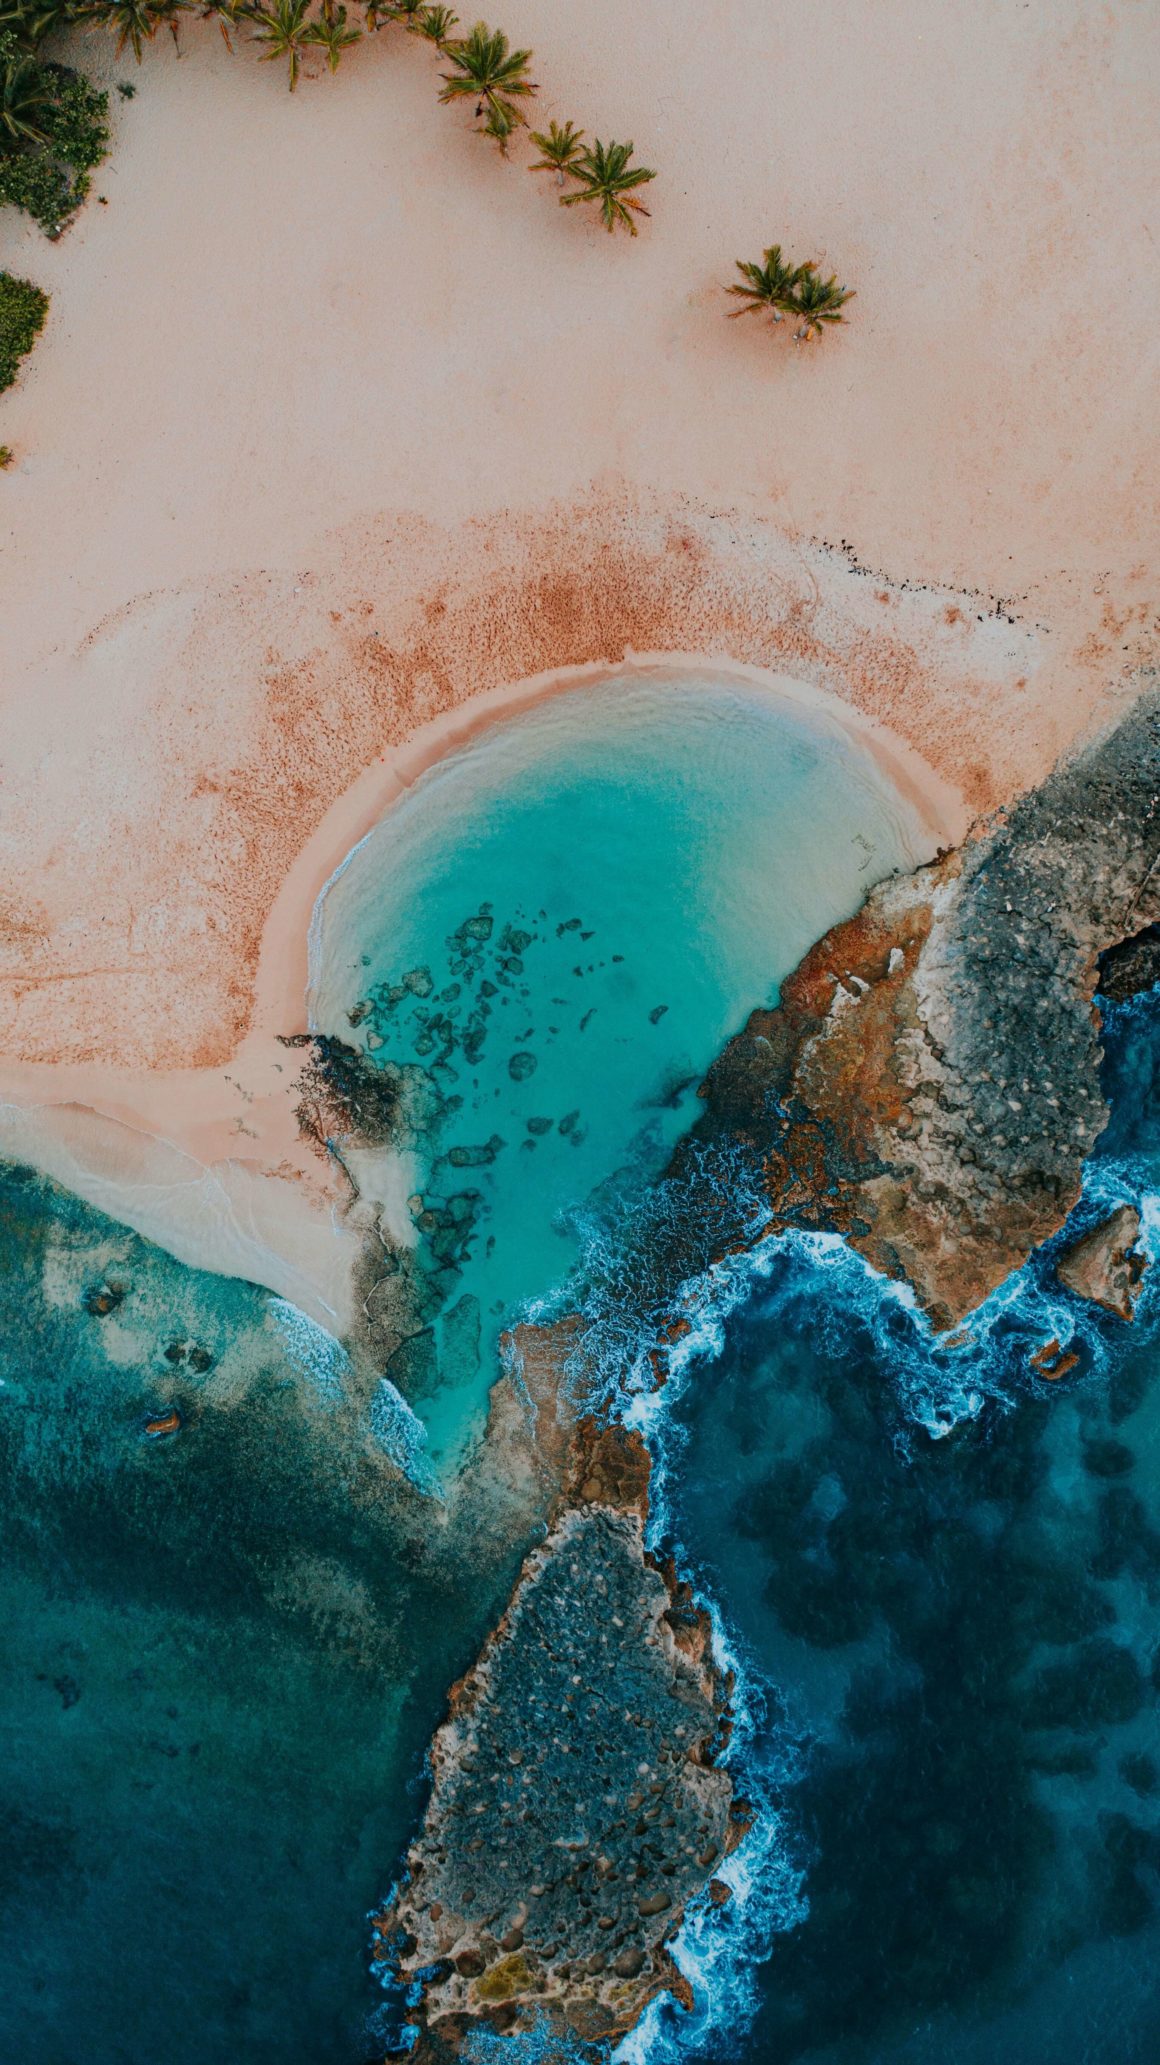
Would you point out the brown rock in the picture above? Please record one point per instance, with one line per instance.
(1052, 1361)
(1104, 1266)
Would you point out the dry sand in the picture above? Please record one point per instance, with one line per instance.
(339, 421)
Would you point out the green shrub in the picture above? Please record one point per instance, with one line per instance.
(50, 179)
(23, 308)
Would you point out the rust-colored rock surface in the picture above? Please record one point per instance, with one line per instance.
(1106, 1264)
(928, 1084)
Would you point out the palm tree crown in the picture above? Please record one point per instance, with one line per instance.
(25, 91)
(559, 149)
(436, 23)
(283, 27)
(136, 21)
(818, 301)
(331, 33)
(489, 72)
(225, 13)
(605, 177)
(769, 285)
(784, 289)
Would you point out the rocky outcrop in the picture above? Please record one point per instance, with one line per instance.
(1132, 966)
(928, 1084)
(1106, 1264)
(577, 1805)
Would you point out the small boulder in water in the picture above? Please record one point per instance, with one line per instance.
(160, 1426)
(1052, 1361)
(103, 1298)
(1106, 1266)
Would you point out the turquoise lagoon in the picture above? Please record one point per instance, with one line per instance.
(560, 924)
(225, 1652)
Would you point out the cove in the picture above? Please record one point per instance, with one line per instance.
(553, 932)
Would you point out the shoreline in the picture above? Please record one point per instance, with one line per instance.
(209, 1162)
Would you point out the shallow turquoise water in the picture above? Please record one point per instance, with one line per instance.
(561, 924)
(225, 1652)
(223, 1656)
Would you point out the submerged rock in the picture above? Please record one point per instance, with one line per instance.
(1106, 1265)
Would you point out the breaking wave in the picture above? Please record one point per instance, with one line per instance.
(633, 1362)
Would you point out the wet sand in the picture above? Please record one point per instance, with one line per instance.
(210, 1162)
(407, 433)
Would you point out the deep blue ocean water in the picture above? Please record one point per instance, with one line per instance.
(948, 1648)
(937, 1576)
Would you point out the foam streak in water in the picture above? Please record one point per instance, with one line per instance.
(402, 1436)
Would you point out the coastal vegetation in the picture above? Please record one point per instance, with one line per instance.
(559, 149)
(23, 308)
(605, 177)
(777, 288)
(487, 70)
(53, 122)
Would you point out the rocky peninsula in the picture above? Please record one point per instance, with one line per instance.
(928, 1087)
(928, 1083)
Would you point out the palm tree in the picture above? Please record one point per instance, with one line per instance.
(767, 286)
(135, 21)
(491, 74)
(559, 150)
(168, 11)
(818, 301)
(226, 13)
(606, 177)
(30, 21)
(331, 33)
(436, 23)
(25, 90)
(282, 27)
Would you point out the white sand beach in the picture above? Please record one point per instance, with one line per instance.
(339, 422)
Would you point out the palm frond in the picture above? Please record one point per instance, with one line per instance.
(136, 22)
(332, 35)
(31, 21)
(226, 13)
(559, 149)
(283, 27)
(489, 72)
(767, 286)
(25, 92)
(606, 178)
(818, 302)
(436, 24)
